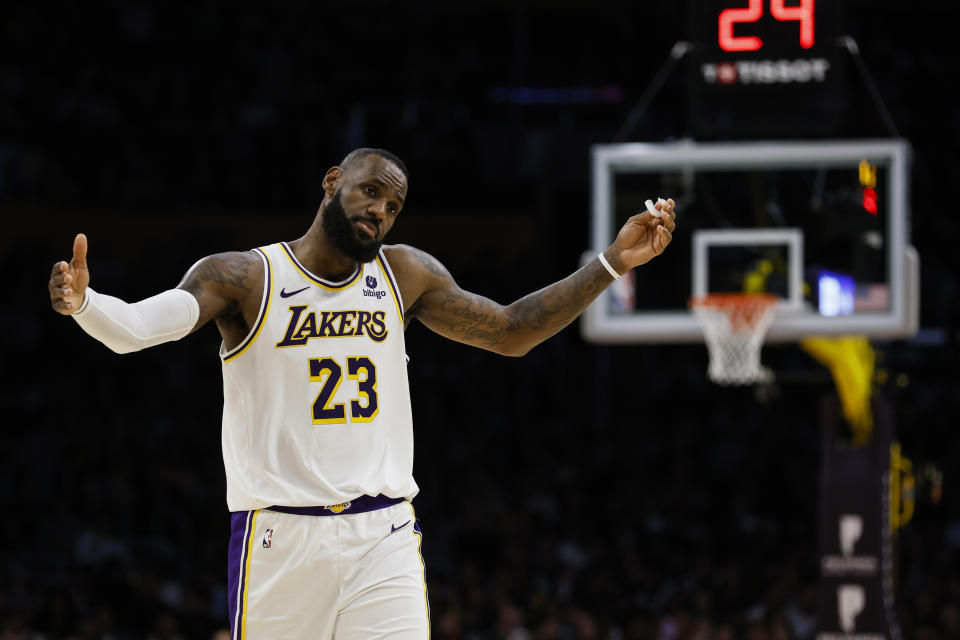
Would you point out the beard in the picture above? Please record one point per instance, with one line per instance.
(344, 235)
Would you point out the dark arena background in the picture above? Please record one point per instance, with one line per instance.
(583, 491)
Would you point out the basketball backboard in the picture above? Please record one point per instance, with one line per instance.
(822, 224)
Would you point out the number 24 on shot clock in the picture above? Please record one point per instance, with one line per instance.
(769, 50)
(729, 17)
(766, 41)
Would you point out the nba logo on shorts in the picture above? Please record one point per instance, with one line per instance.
(371, 282)
(267, 538)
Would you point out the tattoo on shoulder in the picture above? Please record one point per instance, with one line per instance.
(230, 269)
(430, 263)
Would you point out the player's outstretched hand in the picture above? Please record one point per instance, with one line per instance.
(69, 281)
(644, 236)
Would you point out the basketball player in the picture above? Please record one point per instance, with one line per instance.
(317, 429)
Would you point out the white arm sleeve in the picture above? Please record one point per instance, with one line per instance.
(125, 327)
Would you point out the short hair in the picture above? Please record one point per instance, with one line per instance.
(355, 158)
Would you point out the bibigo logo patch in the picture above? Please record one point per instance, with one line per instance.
(371, 291)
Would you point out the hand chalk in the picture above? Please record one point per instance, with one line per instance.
(650, 208)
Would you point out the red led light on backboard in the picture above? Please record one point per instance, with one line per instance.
(870, 200)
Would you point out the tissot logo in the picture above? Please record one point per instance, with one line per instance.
(766, 71)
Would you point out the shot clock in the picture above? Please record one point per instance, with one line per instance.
(764, 68)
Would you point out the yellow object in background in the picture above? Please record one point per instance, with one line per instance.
(851, 361)
(868, 174)
(902, 488)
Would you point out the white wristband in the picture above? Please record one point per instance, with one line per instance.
(603, 261)
(83, 304)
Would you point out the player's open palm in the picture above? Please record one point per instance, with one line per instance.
(69, 281)
(645, 235)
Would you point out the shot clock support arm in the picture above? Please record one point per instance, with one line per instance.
(679, 50)
(848, 43)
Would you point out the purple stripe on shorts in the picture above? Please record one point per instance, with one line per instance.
(357, 505)
(235, 562)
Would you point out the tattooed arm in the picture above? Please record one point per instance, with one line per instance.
(434, 298)
(510, 330)
(228, 288)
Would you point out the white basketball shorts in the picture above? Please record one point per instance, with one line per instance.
(351, 574)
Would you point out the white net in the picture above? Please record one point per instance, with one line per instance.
(734, 326)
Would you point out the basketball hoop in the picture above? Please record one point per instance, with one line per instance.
(734, 325)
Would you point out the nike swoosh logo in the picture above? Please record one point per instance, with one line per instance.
(284, 294)
(395, 528)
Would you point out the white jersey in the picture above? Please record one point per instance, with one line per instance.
(316, 405)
